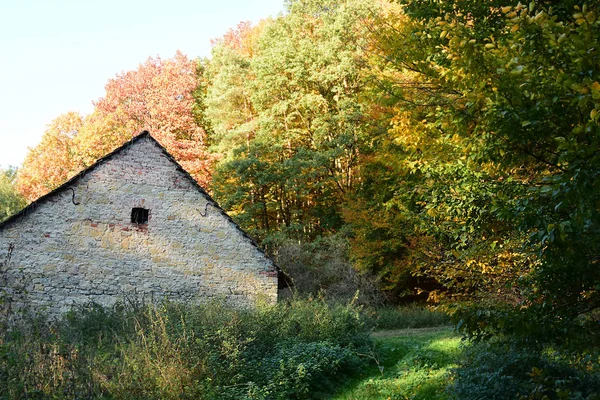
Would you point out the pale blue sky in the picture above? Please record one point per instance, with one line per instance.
(57, 55)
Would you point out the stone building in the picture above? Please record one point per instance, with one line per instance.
(133, 224)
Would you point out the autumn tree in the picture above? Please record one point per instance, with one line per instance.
(497, 119)
(161, 96)
(54, 160)
(158, 97)
(228, 100)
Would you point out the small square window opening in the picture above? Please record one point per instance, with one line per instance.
(139, 215)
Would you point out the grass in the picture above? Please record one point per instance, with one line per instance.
(408, 364)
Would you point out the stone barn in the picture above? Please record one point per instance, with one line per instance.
(135, 224)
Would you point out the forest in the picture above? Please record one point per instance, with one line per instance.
(394, 152)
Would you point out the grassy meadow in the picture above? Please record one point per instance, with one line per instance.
(408, 364)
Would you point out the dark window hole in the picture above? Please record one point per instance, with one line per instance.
(139, 215)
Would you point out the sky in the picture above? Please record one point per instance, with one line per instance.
(57, 55)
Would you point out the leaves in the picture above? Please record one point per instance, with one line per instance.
(159, 97)
(53, 161)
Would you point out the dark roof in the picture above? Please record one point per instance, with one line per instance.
(144, 134)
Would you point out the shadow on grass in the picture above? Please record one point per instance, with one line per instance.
(408, 364)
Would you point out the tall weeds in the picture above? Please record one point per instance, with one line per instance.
(287, 351)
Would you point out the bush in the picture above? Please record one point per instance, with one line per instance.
(287, 351)
(322, 268)
(505, 370)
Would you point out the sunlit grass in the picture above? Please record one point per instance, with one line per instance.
(408, 364)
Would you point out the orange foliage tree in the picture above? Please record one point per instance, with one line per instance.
(158, 96)
(53, 160)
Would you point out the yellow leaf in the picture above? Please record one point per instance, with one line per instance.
(535, 372)
(590, 17)
(506, 9)
(514, 28)
(595, 93)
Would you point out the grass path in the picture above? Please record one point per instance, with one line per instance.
(407, 364)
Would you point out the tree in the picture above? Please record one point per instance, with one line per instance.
(158, 97)
(10, 200)
(162, 96)
(291, 119)
(504, 98)
(228, 104)
(53, 161)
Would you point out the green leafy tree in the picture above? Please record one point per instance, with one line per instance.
(502, 99)
(290, 119)
(10, 199)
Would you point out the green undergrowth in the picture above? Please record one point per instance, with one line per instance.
(504, 369)
(404, 317)
(407, 364)
(297, 350)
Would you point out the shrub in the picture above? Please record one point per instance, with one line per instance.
(172, 351)
(505, 370)
(323, 268)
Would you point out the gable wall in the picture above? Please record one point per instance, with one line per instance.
(64, 254)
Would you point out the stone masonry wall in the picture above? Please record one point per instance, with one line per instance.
(60, 254)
